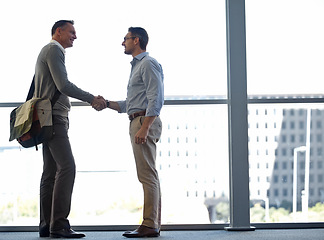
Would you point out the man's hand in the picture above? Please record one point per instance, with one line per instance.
(99, 103)
(141, 135)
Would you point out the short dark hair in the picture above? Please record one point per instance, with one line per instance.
(141, 34)
(60, 23)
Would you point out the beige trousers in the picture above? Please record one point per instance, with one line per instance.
(145, 157)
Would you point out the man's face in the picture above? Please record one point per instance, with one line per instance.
(67, 35)
(128, 43)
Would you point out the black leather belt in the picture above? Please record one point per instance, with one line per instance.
(135, 115)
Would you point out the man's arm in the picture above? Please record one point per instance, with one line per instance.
(56, 64)
(114, 106)
(153, 80)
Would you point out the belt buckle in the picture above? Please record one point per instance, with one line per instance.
(132, 116)
(135, 115)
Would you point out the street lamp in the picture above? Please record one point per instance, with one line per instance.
(307, 164)
(296, 150)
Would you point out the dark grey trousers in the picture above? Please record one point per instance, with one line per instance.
(57, 179)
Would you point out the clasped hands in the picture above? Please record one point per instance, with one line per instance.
(99, 103)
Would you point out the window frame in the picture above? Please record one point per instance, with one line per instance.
(237, 103)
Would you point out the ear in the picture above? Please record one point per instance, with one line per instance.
(136, 40)
(58, 31)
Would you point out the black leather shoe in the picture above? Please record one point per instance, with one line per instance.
(43, 234)
(66, 233)
(142, 231)
(44, 231)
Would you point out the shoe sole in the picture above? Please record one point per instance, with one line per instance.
(146, 236)
(44, 235)
(59, 236)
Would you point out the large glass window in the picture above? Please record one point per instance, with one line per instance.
(284, 57)
(284, 60)
(192, 164)
(188, 39)
(290, 188)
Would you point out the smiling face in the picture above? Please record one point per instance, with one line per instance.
(65, 35)
(129, 43)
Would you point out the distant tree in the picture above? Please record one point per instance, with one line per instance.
(319, 207)
(316, 213)
(28, 207)
(6, 213)
(257, 213)
(222, 211)
(279, 215)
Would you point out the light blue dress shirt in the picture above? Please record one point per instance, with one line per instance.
(145, 90)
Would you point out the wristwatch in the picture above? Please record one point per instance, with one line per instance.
(107, 102)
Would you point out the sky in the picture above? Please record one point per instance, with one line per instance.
(284, 44)
(97, 62)
(285, 51)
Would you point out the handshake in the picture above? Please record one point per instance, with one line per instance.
(99, 103)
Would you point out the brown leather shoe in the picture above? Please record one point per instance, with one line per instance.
(142, 231)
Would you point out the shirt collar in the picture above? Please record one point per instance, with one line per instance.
(141, 56)
(58, 44)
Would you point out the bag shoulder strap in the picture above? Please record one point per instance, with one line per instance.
(55, 97)
(32, 90)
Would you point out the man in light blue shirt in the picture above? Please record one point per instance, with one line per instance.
(145, 98)
(145, 87)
